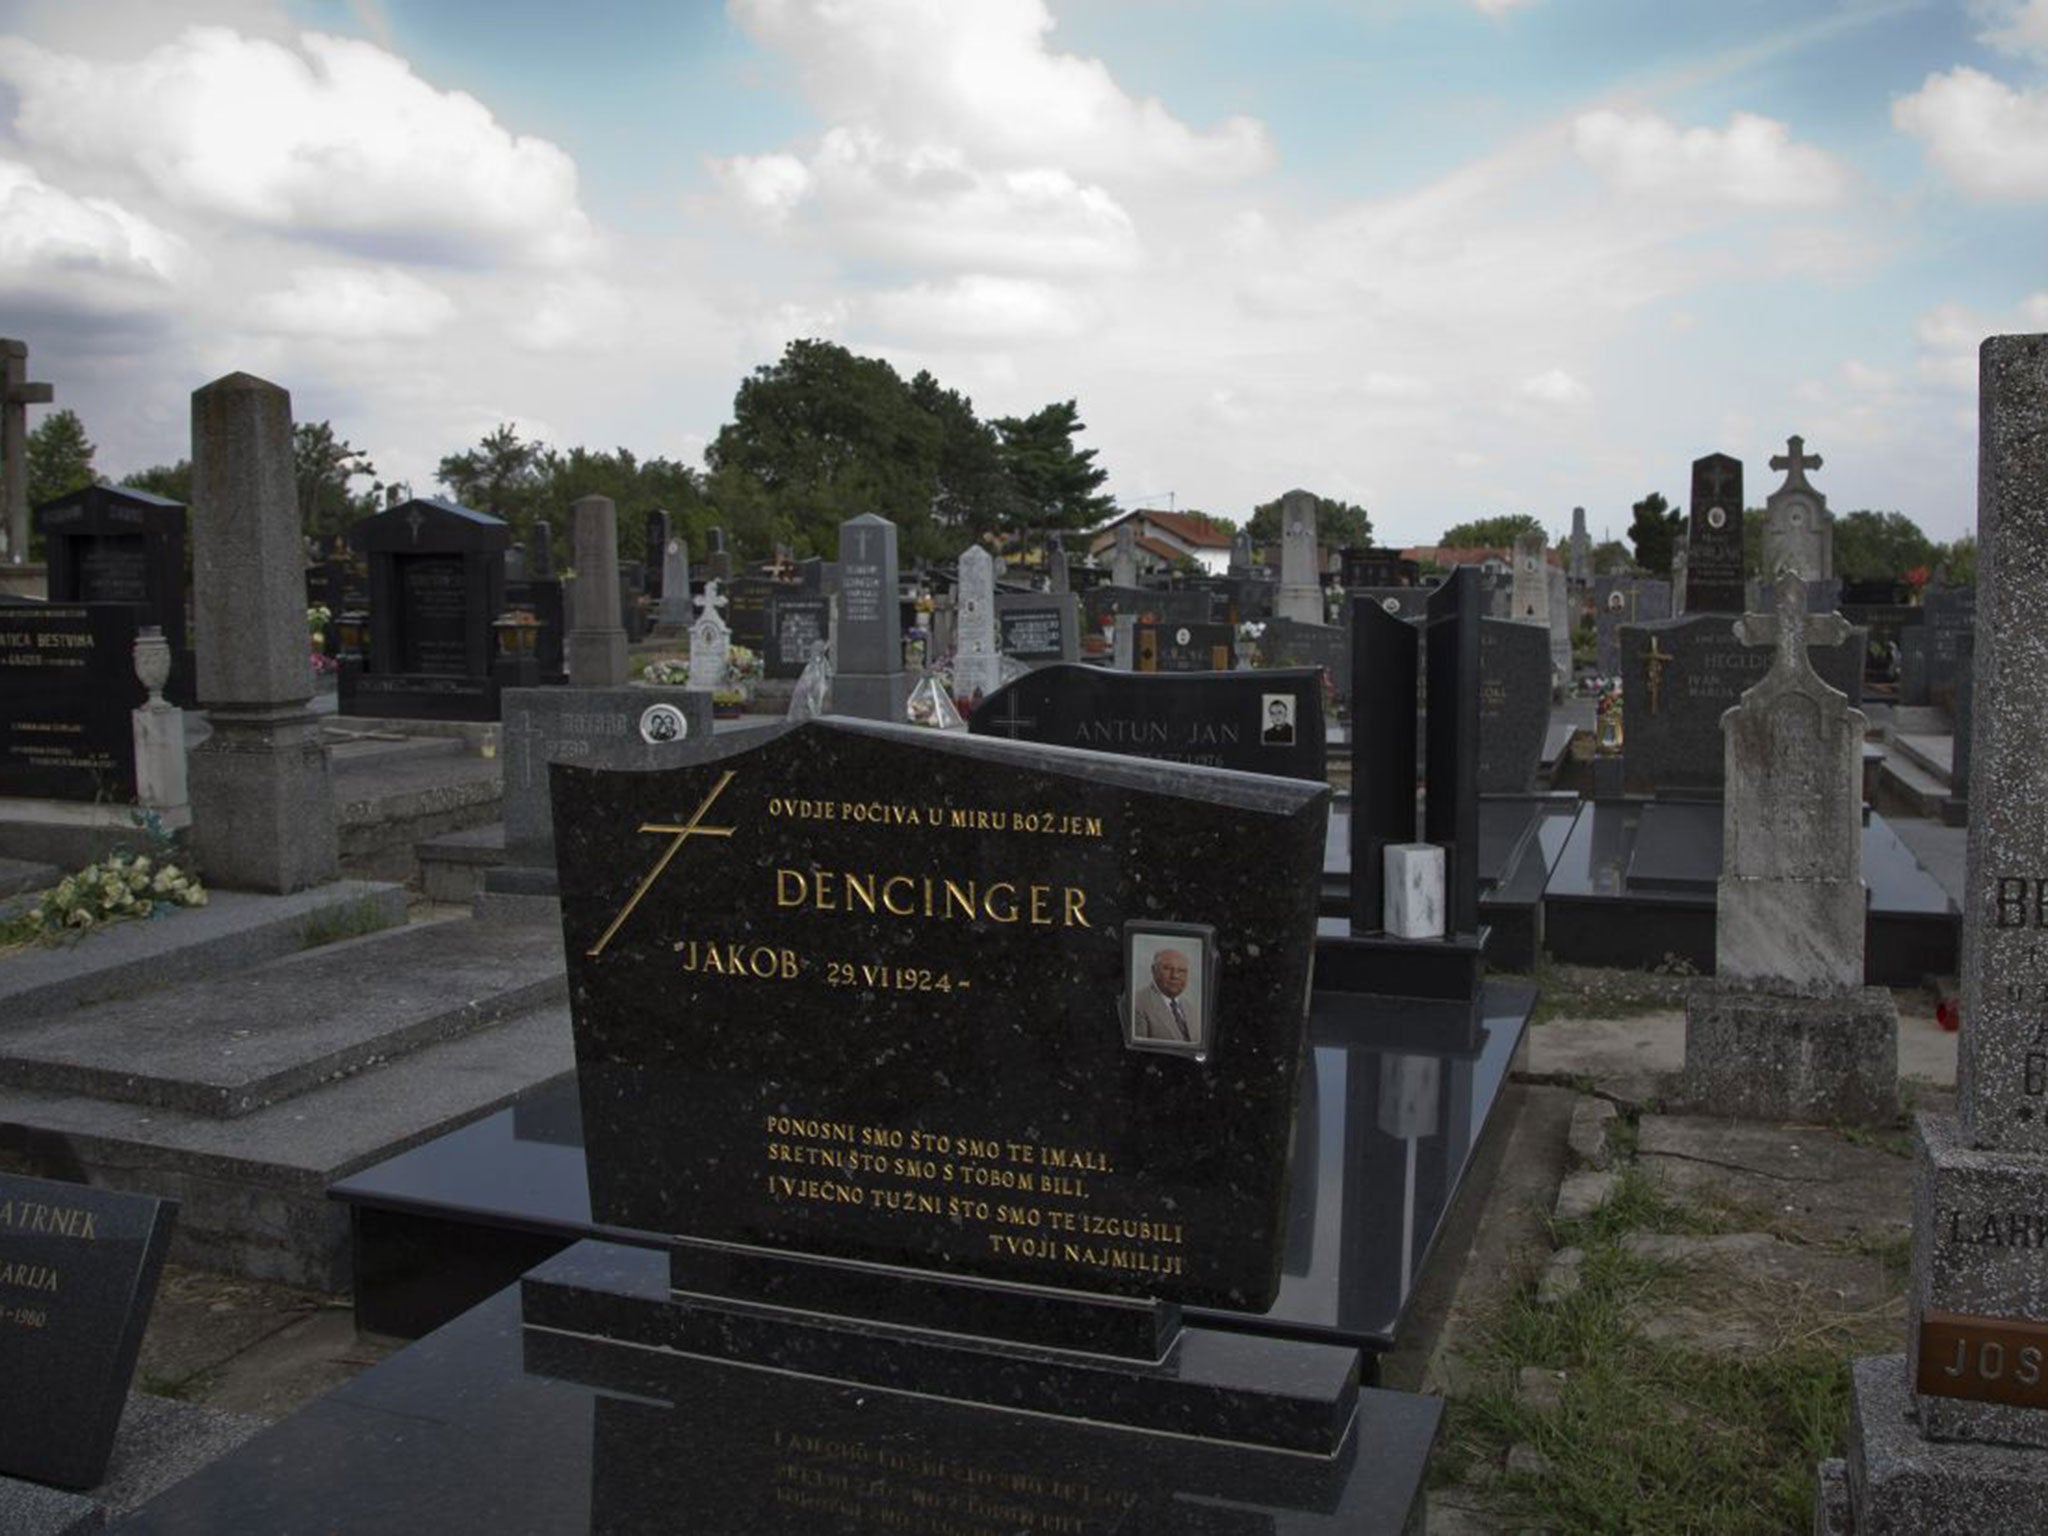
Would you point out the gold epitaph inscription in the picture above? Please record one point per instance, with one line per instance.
(1985, 1359)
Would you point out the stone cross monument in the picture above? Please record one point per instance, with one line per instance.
(977, 668)
(16, 396)
(1797, 528)
(1123, 557)
(710, 642)
(1954, 1436)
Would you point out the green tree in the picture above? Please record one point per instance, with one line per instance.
(1610, 557)
(636, 486)
(816, 438)
(1057, 484)
(972, 492)
(1490, 532)
(59, 457)
(501, 475)
(1338, 523)
(1654, 533)
(1958, 561)
(170, 481)
(1879, 546)
(323, 465)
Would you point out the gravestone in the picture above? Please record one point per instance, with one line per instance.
(1582, 565)
(1255, 722)
(746, 611)
(1530, 592)
(1678, 563)
(1241, 555)
(1401, 602)
(542, 554)
(1956, 1433)
(1948, 630)
(868, 680)
(710, 643)
(1146, 605)
(1560, 630)
(799, 627)
(596, 648)
(977, 665)
(1183, 648)
(1713, 569)
(674, 610)
(654, 534)
(262, 797)
(16, 395)
(437, 583)
(1123, 558)
(1514, 704)
(636, 727)
(1679, 676)
(67, 695)
(717, 558)
(1798, 530)
(1300, 597)
(78, 1274)
(1787, 1029)
(109, 544)
(1038, 627)
(1619, 600)
(1284, 643)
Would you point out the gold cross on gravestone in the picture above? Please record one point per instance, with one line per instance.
(1795, 461)
(681, 834)
(1792, 629)
(1654, 660)
(16, 396)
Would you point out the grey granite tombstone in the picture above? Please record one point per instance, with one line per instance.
(1950, 623)
(977, 664)
(1787, 1029)
(262, 795)
(1531, 590)
(717, 558)
(1619, 600)
(1241, 555)
(1560, 630)
(1514, 704)
(1057, 576)
(1123, 557)
(1679, 557)
(1284, 643)
(1301, 586)
(541, 557)
(654, 551)
(1039, 627)
(597, 638)
(1713, 567)
(1582, 565)
(675, 582)
(1797, 528)
(1971, 1382)
(868, 679)
(710, 643)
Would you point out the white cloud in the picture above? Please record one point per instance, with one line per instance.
(354, 304)
(44, 229)
(1986, 137)
(1497, 7)
(978, 310)
(980, 78)
(1752, 162)
(1555, 386)
(2022, 29)
(337, 140)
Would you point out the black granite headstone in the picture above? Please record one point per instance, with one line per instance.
(746, 610)
(1255, 722)
(1286, 643)
(1713, 563)
(1450, 799)
(1383, 751)
(908, 987)
(78, 1272)
(68, 691)
(1147, 605)
(110, 544)
(1183, 648)
(799, 623)
(1950, 625)
(1514, 703)
(1038, 626)
(437, 584)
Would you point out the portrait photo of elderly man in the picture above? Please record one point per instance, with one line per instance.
(1167, 978)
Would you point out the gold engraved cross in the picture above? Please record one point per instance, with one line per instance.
(1653, 670)
(692, 828)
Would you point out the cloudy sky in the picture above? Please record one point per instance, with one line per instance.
(1445, 258)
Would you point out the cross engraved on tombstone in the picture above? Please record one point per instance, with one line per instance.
(1655, 659)
(1011, 721)
(524, 736)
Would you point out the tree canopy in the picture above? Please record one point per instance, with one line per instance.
(1880, 546)
(1490, 532)
(323, 465)
(1056, 485)
(528, 482)
(1653, 532)
(59, 457)
(1338, 523)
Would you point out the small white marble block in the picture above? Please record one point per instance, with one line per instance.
(1414, 874)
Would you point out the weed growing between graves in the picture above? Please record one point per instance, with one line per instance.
(1596, 992)
(1645, 1435)
(333, 924)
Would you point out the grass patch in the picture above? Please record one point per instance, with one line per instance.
(334, 924)
(1647, 1436)
(1593, 992)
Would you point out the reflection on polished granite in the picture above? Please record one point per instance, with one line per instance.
(1383, 1138)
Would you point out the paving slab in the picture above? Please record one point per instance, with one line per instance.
(234, 1044)
(234, 929)
(1804, 1178)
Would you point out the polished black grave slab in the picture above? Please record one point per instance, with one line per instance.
(1373, 1184)
(486, 1426)
(1619, 898)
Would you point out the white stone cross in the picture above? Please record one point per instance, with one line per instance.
(1791, 628)
(1795, 461)
(709, 604)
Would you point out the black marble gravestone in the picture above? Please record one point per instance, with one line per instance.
(1183, 647)
(1713, 564)
(78, 1271)
(1286, 643)
(799, 624)
(437, 583)
(746, 610)
(1038, 627)
(1254, 722)
(110, 544)
(68, 691)
(1514, 703)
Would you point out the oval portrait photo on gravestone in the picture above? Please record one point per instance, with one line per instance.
(1169, 997)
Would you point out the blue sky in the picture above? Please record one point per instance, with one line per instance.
(1445, 258)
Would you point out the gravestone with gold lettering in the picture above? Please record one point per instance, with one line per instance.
(78, 1271)
(1954, 1436)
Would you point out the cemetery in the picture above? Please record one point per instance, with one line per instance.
(833, 1032)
